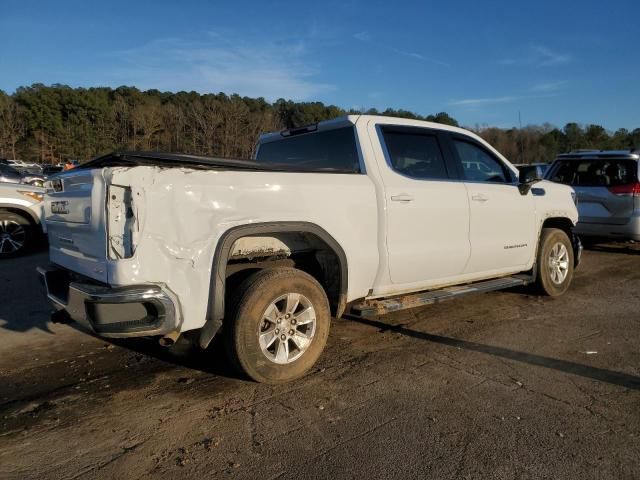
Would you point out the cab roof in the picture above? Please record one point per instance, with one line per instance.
(346, 120)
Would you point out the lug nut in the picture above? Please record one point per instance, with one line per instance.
(287, 316)
(293, 321)
(290, 332)
(283, 337)
(277, 331)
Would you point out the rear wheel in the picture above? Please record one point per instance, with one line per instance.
(555, 262)
(279, 325)
(15, 234)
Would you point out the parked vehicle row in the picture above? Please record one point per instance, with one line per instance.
(9, 174)
(362, 214)
(365, 214)
(35, 169)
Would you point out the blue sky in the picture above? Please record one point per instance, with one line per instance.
(483, 62)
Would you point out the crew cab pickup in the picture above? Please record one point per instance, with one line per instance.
(361, 214)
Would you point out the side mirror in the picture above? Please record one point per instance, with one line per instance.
(526, 178)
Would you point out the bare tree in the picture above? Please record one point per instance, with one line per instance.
(147, 124)
(12, 126)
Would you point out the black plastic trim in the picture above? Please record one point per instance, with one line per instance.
(216, 308)
(128, 159)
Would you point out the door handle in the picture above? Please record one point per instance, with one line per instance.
(403, 197)
(479, 197)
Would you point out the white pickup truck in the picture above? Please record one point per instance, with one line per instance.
(361, 214)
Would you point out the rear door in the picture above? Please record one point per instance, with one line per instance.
(601, 186)
(427, 209)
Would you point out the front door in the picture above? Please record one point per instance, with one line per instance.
(502, 220)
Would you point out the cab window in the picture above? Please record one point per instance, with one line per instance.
(329, 150)
(415, 154)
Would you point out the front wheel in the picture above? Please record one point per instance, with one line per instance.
(279, 325)
(555, 262)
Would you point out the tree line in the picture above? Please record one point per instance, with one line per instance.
(49, 124)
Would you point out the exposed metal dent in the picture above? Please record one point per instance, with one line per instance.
(267, 246)
(122, 223)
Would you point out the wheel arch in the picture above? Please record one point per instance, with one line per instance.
(222, 256)
(566, 225)
(562, 223)
(19, 210)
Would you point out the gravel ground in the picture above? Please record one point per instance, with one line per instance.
(501, 385)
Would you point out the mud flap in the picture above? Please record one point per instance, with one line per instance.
(209, 331)
(577, 249)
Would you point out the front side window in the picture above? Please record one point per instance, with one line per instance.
(329, 150)
(478, 165)
(415, 154)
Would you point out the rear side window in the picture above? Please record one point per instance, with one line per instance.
(595, 173)
(478, 165)
(415, 154)
(330, 150)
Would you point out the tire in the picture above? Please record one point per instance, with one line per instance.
(555, 262)
(250, 337)
(16, 234)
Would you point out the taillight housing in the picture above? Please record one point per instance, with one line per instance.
(629, 190)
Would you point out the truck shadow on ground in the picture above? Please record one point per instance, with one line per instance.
(213, 360)
(586, 371)
(632, 249)
(607, 246)
(185, 353)
(35, 318)
(23, 303)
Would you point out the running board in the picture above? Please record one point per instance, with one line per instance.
(387, 305)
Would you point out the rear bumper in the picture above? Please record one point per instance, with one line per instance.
(628, 231)
(115, 312)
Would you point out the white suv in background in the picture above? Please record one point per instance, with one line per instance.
(21, 214)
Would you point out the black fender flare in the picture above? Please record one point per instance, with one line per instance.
(216, 306)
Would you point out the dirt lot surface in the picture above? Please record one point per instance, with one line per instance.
(501, 385)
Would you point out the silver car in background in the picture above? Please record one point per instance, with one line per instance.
(9, 174)
(607, 185)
